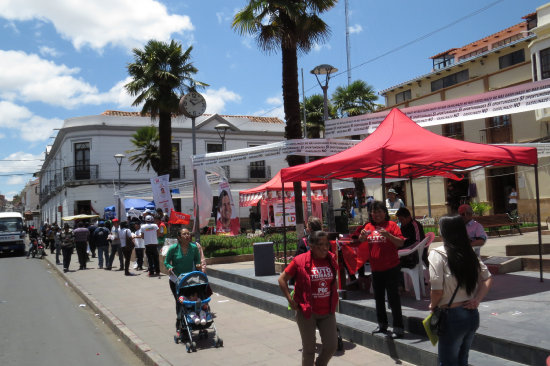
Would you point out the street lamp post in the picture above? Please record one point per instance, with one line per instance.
(118, 158)
(222, 130)
(326, 70)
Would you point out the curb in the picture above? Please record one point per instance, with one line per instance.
(141, 349)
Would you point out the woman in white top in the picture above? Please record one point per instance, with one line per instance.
(513, 200)
(455, 266)
(140, 245)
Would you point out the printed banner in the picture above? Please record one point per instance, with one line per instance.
(290, 213)
(179, 218)
(227, 221)
(277, 150)
(161, 193)
(516, 99)
(204, 195)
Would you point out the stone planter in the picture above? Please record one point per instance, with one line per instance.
(279, 267)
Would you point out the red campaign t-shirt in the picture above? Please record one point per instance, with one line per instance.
(321, 282)
(382, 252)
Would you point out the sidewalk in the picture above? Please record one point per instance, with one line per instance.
(141, 311)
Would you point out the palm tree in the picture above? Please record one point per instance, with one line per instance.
(293, 26)
(160, 71)
(355, 99)
(146, 154)
(315, 115)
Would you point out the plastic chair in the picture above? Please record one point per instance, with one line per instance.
(416, 274)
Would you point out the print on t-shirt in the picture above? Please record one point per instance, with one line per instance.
(320, 281)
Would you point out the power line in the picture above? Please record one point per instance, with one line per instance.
(398, 48)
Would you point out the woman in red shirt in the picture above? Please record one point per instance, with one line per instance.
(315, 297)
(384, 238)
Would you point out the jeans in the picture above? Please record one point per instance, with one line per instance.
(382, 282)
(115, 248)
(67, 253)
(329, 337)
(153, 258)
(101, 251)
(139, 257)
(81, 253)
(454, 345)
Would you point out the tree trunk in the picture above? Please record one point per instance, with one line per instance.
(293, 128)
(165, 142)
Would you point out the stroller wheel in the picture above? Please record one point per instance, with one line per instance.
(176, 339)
(340, 344)
(219, 342)
(188, 347)
(194, 347)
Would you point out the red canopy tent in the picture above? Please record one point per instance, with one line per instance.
(251, 197)
(401, 148)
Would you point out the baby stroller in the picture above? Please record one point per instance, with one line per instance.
(189, 284)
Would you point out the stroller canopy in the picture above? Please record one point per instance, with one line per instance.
(192, 279)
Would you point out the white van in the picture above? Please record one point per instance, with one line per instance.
(12, 235)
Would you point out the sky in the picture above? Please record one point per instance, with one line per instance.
(68, 58)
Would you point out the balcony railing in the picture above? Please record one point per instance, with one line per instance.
(259, 172)
(80, 172)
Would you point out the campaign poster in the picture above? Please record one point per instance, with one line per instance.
(227, 221)
(161, 193)
(290, 213)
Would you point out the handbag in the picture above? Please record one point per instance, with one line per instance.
(437, 320)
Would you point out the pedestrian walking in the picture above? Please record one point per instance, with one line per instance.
(115, 246)
(127, 246)
(81, 235)
(91, 242)
(102, 244)
(140, 245)
(459, 281)
(315, 298)
(149, 234)
(67, 246)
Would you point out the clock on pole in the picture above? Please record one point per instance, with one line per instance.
(193, 104)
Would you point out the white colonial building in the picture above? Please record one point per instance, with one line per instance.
(80, 173)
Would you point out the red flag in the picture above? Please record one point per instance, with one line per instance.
(179, 218)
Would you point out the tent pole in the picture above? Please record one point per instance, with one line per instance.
(383, 184)
(538, 218)
(284, 222)
(412, 197)
(429, 198)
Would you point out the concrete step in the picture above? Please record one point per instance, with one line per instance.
(358, 308)
(414, 348)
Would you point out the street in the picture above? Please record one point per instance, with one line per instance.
(42, 322)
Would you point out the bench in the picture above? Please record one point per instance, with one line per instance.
(494, 222)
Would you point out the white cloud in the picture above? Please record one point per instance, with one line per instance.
(278, 112)
(318, 47)
(98, 23)
(12, 26)
(246, 41)
(16, 180)
(30, 127)
(20, 161)
(275, 100)
(31, 78)
(357, 28)
(48, 51)
(2, 135)
(216, 99)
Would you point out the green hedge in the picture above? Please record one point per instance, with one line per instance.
(219, 246)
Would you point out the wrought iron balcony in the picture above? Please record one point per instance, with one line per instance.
(80, 172)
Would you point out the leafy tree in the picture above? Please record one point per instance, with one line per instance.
(146, 154)
(292, 26)
(355, 99)
(161, 73)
